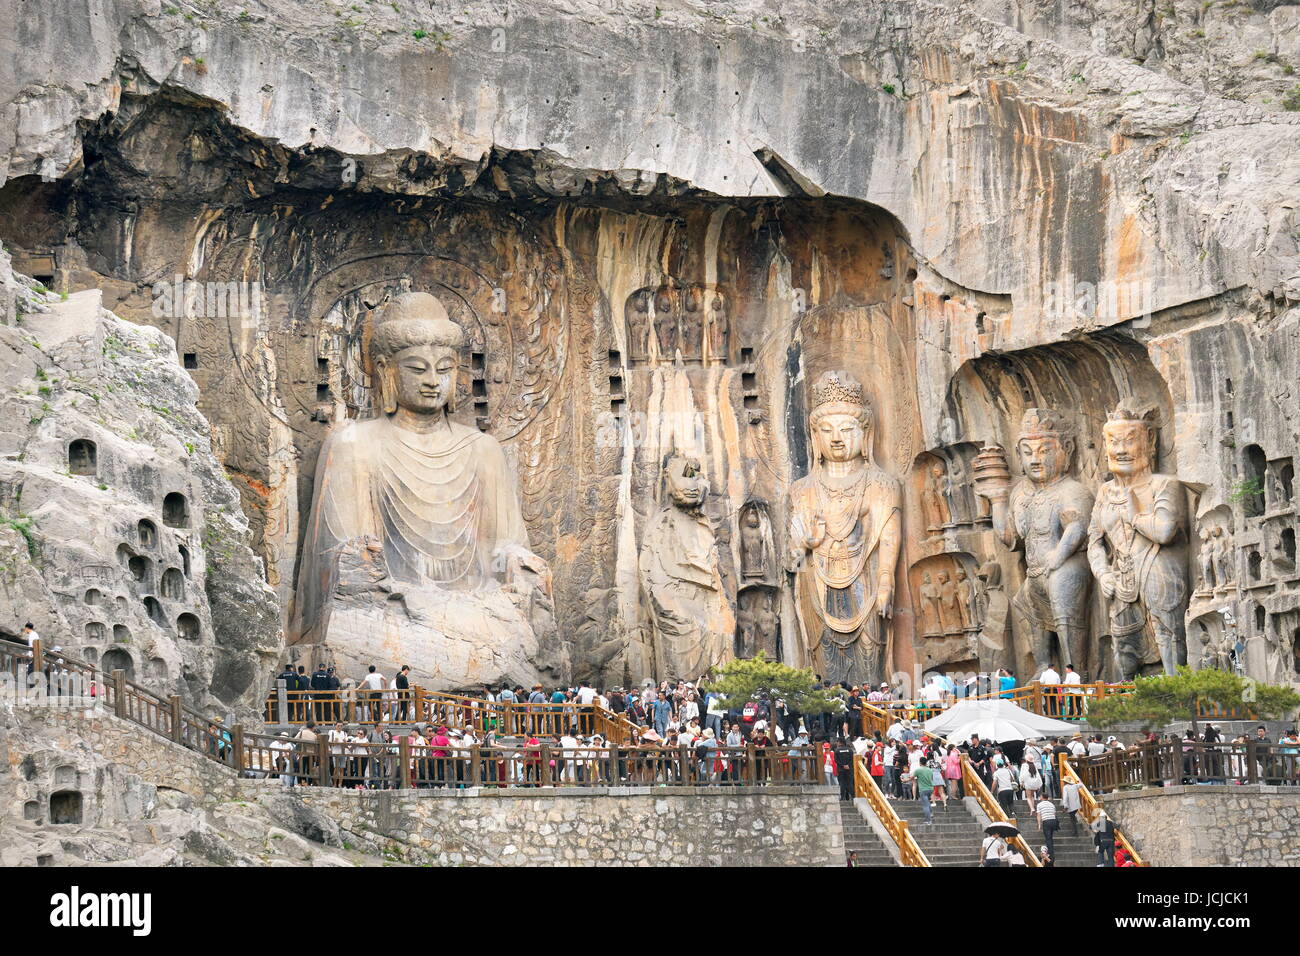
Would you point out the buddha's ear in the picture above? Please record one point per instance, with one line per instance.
(386, 376)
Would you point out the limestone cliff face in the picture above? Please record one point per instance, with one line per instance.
(124, 542)
(975, 208)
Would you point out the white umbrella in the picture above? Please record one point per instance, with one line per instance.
(997, 720)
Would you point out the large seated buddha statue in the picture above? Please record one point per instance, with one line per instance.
(416, 551)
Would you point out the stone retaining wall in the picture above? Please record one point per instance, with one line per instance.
(768, 826)
(1253, 825)
(154, 759)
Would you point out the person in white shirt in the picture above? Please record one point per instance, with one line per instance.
(1051, 681)
(282, 758)
(372, 694)
(896, 729)
(338, 737)
(1073, 692)
(994, 851)
(891, 771)
(1077, 746)
(1095, 747)
(1071, 804)
(1004, 788)
(570, 745)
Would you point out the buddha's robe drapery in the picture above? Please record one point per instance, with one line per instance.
(439, 505)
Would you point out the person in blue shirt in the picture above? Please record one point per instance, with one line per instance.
(663, 713)
(1005, 683)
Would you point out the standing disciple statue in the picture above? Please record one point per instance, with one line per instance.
(1137, 544)
(1045, 513)
(416, 550)
(845, 519)
(691, 616)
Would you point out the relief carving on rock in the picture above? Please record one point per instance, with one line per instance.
(1045, 514)
(690, 613)
(844, 536)
(1137, 544)
(677, 319)
(416, 550)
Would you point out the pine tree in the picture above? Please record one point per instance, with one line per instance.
(1166, 699)
(758, 678)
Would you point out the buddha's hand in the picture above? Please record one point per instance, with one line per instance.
(522, 570)
(361, 566)
(1107, 582)
(885, 596)
(817, 534)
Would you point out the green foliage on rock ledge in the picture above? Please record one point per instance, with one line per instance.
(1167, 699)
(759, 678)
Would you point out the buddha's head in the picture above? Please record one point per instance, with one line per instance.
(841, 420)
(415, 350)
(1130, 436)
(686, 482)
(1045, 445)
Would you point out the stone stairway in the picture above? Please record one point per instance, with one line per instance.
(955, 836)
(1070, 850)
(952, 840)
(861, 839)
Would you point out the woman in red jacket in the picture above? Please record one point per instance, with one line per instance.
(876, 764)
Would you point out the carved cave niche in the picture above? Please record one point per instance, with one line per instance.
(83, 457)
(1279, 486)
(945, 608)
(65, 807)
(173, 584)
(117, 659)
(1210, 641)
(147, 533)
(1251, 491)
(755, 544)
(758, 622)
(189, 627)
(175, 510)
(1085, 379)
(1213, 554)
(95, 632)
(941, 486)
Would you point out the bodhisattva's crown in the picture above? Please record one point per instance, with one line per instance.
(837, 387)
(1045, 423)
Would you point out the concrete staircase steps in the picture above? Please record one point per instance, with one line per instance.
(859, 837)
(954, 838)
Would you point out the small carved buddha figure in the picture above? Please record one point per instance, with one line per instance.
(753, 544)
(844, 534)
(1046, 515)
(1137, 544)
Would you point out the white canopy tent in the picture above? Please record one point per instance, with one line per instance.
(997, 720)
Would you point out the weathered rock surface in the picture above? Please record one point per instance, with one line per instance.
(123, 539)
(972, 208)
(62, 803)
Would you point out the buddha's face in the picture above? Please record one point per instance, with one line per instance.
(839, 436)
(1043, 459)
(686, 483)
(1128, 448)
(424, 377)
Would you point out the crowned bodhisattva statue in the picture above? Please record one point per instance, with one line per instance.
(416, 551)
(844, 536)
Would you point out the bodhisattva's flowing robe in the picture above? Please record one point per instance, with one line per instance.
(838, 583)
(439, 505)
